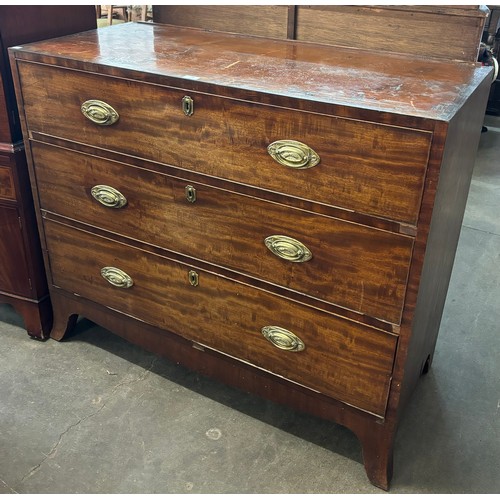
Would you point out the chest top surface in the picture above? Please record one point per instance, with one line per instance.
(383, 82)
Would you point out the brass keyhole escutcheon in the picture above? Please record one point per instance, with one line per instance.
(187, 105)
(194, 279)
(190, 194)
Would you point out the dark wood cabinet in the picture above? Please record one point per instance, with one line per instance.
(22, 275)
(15, 278)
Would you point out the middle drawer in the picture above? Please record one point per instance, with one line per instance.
(354, 266)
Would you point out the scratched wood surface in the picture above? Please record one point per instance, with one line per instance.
(418, 30)
(223, 62)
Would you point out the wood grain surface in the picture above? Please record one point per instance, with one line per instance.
(416, 30)
(369, 168)
(444, 33)
(354, 266)
(265, 20)
(342, 359)
(235, 64)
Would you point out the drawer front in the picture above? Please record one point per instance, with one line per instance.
(365, 167)
(357, 267)
(342, 359)
(7, 190)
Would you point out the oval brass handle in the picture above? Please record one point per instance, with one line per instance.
(108, 196)
(283, 339)
(288, 248)
(293, 154)
(116, 277)
(99, 112)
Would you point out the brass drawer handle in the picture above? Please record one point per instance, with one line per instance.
(187, 105)
(283, 339)
(293, 154)
(288, 248)
(108, 196)
(116, 277)
(99, 112)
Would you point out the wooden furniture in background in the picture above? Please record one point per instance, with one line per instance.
(22, 275)
(126, 12)
(274, 21)
(435, 31)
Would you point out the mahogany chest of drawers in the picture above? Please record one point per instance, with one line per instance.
(280, 215)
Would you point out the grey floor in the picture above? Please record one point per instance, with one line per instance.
(94, 414)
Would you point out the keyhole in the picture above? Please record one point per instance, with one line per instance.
(190, 194)
(187, 105)
(193, 278)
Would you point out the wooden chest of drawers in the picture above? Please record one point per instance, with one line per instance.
(280, 215)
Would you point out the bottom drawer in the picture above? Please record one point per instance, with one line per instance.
(339, 358)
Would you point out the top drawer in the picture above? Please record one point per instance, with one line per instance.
(364, 167)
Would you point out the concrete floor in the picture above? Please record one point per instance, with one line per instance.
(94, 414)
